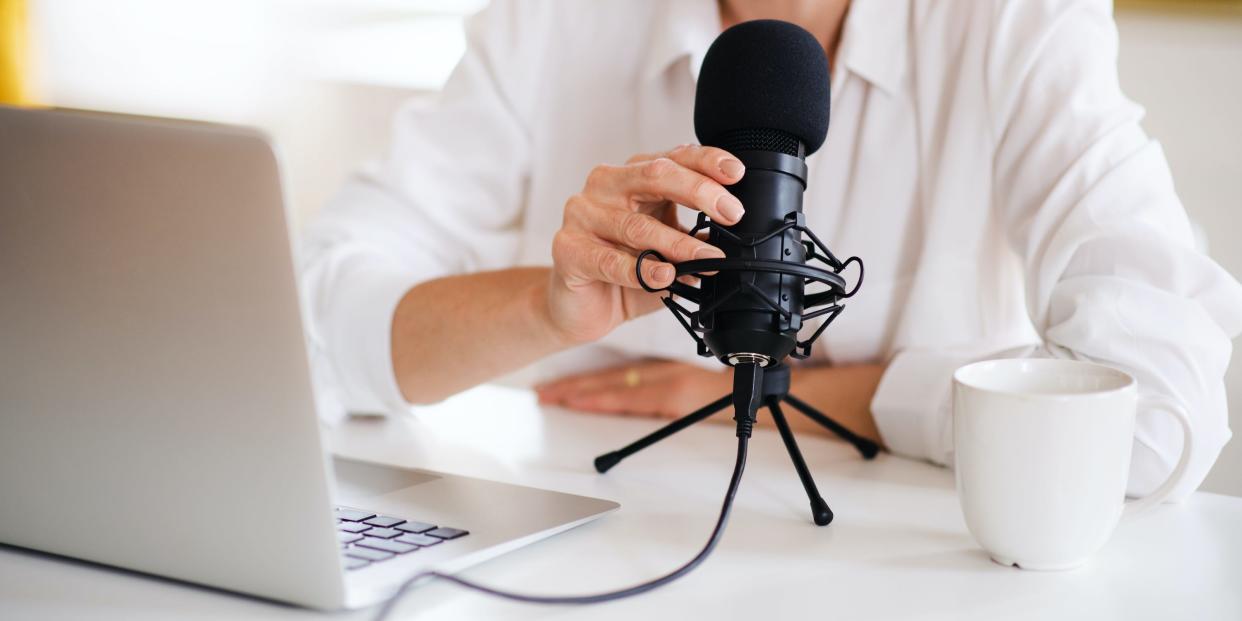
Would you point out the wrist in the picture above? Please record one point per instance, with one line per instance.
(539, 305)
(843, 392)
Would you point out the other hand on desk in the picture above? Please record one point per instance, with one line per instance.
(669, 389)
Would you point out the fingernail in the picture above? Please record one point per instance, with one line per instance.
(708, 252)
(664, 273)
(730, 207)
(732, 168)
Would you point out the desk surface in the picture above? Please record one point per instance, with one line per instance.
(898, 548)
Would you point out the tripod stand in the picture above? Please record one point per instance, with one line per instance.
(773, 389)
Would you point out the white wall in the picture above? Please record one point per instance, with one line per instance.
(322, 77)
(1186, 69)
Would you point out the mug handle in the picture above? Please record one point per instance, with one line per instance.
(1161, 402)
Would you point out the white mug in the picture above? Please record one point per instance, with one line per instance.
(1043, 456)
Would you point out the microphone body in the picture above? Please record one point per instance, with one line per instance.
(745, 328)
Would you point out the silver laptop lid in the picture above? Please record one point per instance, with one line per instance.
(155, 406)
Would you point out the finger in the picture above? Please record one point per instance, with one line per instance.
(587, 260)
(638, 302)
(600, 402)
(715, 163)
(640, 231)
(665, 179)
(711, 161)
(643, 157)
(652, 374)
(619, 401)
(668, 216)
(649, 371)
(575, 384)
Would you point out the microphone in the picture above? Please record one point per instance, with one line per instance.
(763, 95)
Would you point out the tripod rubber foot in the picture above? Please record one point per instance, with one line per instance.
(605, 462)
(820, 512)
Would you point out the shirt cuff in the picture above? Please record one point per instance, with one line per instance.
(359, 337)
(912, 405)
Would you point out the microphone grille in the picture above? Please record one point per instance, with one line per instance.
(760, 139)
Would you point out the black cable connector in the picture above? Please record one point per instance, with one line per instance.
(747, 396)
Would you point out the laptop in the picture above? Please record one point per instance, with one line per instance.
(156, 406)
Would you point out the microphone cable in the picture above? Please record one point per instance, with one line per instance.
(726, 508)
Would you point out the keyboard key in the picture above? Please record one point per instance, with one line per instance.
(353, 515)
(421, 541)
(352, 527)
(347, 537)
(382, 533)
(355, 563)
(415, 527)
(386, 545)
(384, 521)
(445, 532)
(368, 553)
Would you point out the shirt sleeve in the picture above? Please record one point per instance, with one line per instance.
(446, 200)
(1111, 271)
(913, 405)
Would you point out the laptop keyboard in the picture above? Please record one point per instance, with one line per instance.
(368, 538)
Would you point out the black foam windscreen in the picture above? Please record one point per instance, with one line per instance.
(763, 75)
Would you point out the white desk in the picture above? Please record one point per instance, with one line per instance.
(898, 548)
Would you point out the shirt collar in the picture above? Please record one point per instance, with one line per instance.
(682, 28)
(873, 40)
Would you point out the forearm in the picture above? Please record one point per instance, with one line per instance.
(842, 393)
(456, 332)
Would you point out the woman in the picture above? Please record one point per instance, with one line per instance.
(981, 158)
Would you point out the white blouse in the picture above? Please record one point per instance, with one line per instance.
(981, 159)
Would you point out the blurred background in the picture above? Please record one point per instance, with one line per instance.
(323, 77)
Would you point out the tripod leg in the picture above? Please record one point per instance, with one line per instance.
(606, 461)
(866, 448)
(819, 509)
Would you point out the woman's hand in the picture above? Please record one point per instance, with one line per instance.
(621, 211)
(666, 389)
(655, 388)
(520, 315)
